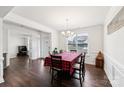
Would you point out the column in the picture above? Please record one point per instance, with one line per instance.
(1, 51)
(41, 45)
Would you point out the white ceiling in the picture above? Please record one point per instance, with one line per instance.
(55, 16)
(4, 10)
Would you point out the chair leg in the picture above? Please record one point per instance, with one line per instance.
(52, 77)
(60, 77)
(80, 78)
(83, 77)
(83, 73)
(50, 69)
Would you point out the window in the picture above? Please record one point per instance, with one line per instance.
(78, 42)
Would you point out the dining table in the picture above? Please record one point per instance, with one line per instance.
(68, 60)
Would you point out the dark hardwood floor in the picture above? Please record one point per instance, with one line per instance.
(23, 72)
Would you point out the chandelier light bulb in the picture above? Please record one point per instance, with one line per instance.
(67, 33)
(63, 32)
(72, 33)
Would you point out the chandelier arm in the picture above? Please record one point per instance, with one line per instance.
(67, 33)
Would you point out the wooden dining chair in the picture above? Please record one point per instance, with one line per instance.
(83, 66)
(56, 67)
(73, 50)
(49, 53)
(79, 69)
(83, 63)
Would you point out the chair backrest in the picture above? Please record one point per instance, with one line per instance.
(82, 60)
(60, 51)
(55, 52)
(56, 61)
(84, 55)
(49, 53)
(73, 50)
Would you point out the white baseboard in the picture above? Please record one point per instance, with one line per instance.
(13, 57)
(90, 58)
(1, 80)
(88, 62)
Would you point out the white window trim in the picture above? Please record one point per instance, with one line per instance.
(87, 43)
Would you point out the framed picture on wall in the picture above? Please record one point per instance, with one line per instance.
(117, 22)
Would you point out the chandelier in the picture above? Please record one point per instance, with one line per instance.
(67, 33)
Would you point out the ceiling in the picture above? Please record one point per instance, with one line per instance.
(4, 10)
(55, 16)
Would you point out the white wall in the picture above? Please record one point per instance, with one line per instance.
(113, 50)
(95, 39)
(16, 19)
(1, 51)
(3, 12)
(14, 41)
(35, 48)
(45, 44)
(11, 17)
(5, 40)
(17, 36)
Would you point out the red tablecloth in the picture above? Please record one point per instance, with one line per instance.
(68, 59)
